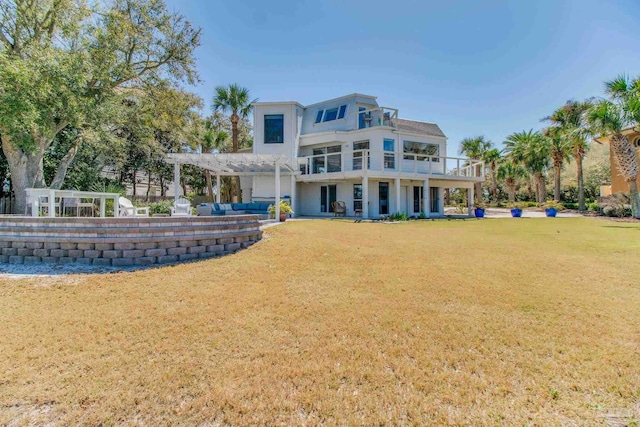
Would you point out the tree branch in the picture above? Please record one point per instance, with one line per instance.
(64, 164)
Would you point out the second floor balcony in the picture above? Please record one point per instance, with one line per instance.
(355, 162)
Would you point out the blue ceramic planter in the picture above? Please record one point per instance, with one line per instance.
(479, 213)
(516, 213)
(551, 212)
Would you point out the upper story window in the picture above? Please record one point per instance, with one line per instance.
(423, 148)
(274, 128)
(331, 114)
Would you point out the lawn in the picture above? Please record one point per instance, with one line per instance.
(492, 322)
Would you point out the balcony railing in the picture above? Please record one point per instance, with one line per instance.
(389, 161)
(379, 116)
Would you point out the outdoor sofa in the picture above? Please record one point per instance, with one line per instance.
(207, 209)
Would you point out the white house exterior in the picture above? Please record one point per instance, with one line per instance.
(353, 150)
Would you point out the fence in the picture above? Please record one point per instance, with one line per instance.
(7, 205)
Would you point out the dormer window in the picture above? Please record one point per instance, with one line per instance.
(331, 114)
(273, 128)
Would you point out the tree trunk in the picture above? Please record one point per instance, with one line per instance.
(148, 183)
(447, 196)
(634, 198)
(539, 183)
(530, 189)
(494, 183)
(235, 146)
(512, 192)
(581, 205)
(557, 169)
(26, 171)
(209, 185)
(133, 182)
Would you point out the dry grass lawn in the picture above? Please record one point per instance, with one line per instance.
(493, 322)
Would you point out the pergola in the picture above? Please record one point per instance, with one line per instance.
(236, 164)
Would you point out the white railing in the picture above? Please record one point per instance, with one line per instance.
(378, 116)
(389, 161)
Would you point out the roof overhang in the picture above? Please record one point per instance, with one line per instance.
(626, 132)
(235, 164)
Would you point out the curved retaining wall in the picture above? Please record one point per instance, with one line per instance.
(123, 241)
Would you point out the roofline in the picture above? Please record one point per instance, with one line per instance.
(342, 97)
(605, 139)
(259, 104)
(418, 121)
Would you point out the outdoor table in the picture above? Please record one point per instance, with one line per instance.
(34, 194)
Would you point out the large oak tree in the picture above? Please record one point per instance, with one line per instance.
(69, 63)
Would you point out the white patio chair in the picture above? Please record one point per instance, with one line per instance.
(78, 204)
(181, 207)
(127, 208)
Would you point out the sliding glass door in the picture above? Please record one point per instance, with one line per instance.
(328, 194)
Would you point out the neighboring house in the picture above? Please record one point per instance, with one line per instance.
(618, 183)
(347, 149)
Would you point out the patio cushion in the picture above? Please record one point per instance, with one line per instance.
(239, 206)
(225, 207)
(253, 207)
(215, 212)
(216, 206)
(264, 206)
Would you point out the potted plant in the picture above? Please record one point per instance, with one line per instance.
(479, 210)
(551, 208)
(516, 209)
(285, 209)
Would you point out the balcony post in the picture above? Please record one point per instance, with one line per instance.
(365, 197)
(217, 188)
(426, 207)
(293, 195)
(397, 188)
(277, 205)
(470, 200)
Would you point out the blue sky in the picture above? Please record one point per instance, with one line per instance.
(474, 67)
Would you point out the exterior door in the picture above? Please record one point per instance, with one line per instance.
(383, 194)
(328, 194)
(435, 201)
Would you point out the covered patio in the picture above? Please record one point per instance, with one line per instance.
(238, 164)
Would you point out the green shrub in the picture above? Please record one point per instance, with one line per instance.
(163, 207)
(593, 207)
(616, 205)
(570, 205)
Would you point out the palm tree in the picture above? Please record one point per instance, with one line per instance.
(568, 119)
(607, 118)
(560, 151)
(235, 100)
(511, 173)
(212, 138)
(531, 150)
(475, 148)
(491, 158)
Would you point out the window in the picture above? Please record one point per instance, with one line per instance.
(357, 154)
(331, 114)
(423, 148)
(389, 157)
(330, 163)
(343, 110)
(273, 128)
(357, 197)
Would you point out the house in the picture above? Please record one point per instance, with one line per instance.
(618, 183)
(348, 149)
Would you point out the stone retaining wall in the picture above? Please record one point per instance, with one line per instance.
(123, 241)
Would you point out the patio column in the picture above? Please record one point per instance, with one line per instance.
(398, 199)
(470, 200)
(293, 195)
(277, 191)
(217, 188)
(441, 201)
(365, 197)
(426, 205)
(176, 181)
